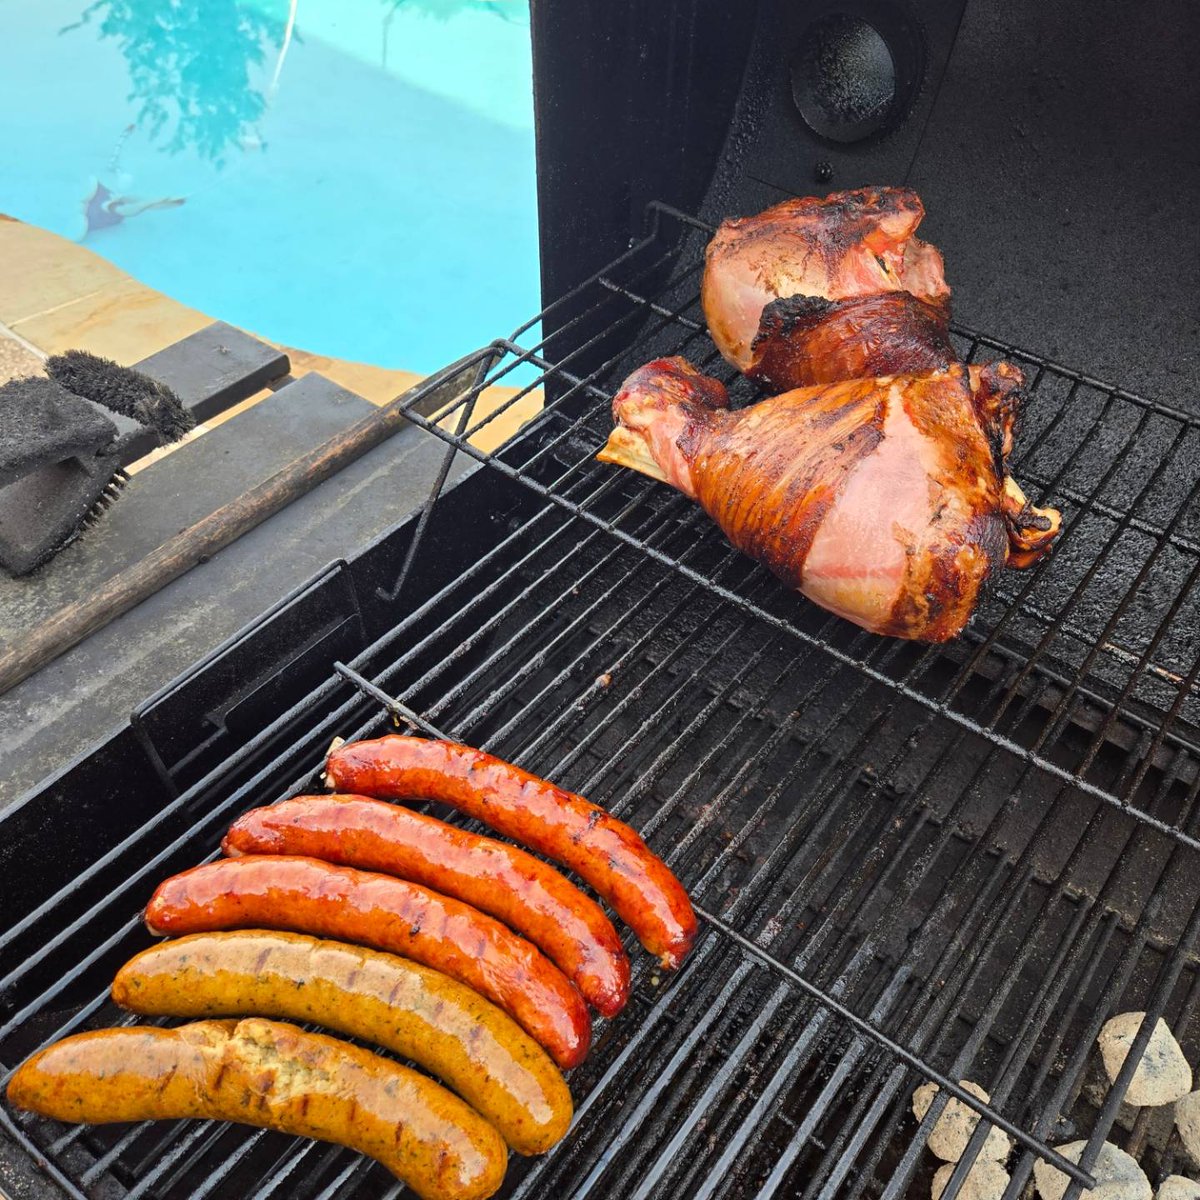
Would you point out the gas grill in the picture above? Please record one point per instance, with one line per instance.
(912, 862)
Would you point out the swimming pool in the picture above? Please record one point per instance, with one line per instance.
(353, 177)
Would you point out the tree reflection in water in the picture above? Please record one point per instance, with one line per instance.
(443, 10)
(190, 65)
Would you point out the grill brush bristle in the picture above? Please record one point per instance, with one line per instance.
(127, 392)
(107, 498)
(122, 390)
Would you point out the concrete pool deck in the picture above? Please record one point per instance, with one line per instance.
(56, 295)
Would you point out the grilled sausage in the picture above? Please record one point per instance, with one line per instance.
(602, 850)
(275, 1076)
(417, 1013)
(516, 888)
(307, 896)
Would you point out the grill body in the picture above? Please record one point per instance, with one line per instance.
(1054, 150)
(918, 862)
(915, 863)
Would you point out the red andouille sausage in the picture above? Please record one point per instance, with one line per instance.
(514, 887)
(308, 896)
(603, 851)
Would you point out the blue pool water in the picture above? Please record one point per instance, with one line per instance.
(361, 186)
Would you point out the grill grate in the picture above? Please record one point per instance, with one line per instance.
(917, 862)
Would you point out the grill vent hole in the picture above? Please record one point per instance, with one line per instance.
(852, 78)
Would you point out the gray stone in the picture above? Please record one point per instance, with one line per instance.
(1096, 1086)
(986, 1180)
(954, 1127)
(1187, 1121)
(1118, 1177)
(1162, 1075)
(1156, 1129)
(1176, 1187)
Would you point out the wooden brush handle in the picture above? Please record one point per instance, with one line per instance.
(195, 544)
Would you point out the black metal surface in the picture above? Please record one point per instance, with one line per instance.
(632, 103)
(844, 79)
(1054, 152)
(979, 852)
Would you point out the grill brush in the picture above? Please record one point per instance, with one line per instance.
(63, 443)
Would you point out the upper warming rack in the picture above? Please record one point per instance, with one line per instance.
(1103, 636)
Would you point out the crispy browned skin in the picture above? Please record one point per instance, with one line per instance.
(844, 245)
(603, 851)
(276, 1076)
(307, 896)
(411, 1010)
(806, 340)
(516, 888)
(883, 500)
